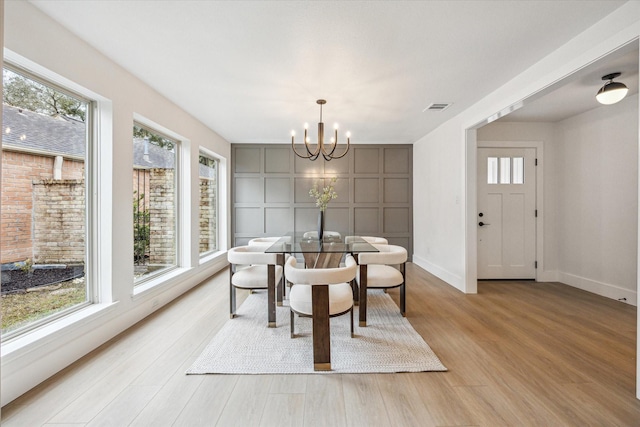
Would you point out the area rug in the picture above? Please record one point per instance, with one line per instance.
(245, 345)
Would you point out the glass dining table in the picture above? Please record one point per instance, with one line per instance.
(317, 253)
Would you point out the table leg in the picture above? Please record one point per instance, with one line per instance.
(271, 295)
(362, 308)
(280, 285)
(321, 332)
(354, 286)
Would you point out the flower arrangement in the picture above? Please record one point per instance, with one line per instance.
(325, 195)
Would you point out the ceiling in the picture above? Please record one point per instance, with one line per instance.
(576, 93)
(252, 70)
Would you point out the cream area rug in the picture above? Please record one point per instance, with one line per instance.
(245, 345)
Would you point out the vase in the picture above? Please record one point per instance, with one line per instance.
(320, 224)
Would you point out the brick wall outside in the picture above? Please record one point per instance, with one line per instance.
(59, 222)
(162, 214)
(44, 219)
(207, 215)
(19, 171)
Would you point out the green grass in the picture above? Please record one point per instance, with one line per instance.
(22, 308)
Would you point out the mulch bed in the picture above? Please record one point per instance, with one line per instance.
(15, 281)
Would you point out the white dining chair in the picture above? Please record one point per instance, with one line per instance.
(249, 269)
(326, 235)
(384, 269)
(263, 241)
(369, 239)
(321, 293)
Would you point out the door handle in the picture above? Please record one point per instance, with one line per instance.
(482, 224)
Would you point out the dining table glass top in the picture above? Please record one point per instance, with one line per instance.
(332, 242)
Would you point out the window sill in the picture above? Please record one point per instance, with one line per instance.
(158, 283)
(53, 331)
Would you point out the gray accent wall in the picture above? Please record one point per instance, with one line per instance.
(270, 192)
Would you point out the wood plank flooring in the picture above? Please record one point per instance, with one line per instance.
(518, 353)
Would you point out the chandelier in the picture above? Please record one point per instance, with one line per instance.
(326, 150)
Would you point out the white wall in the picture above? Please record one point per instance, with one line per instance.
(31, 34)
(590, 196)
(597, 191)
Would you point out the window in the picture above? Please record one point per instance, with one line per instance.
(45, 145)
(505, 170)
(155, 200)
(518, 170)
(208, 172)
(492, 170)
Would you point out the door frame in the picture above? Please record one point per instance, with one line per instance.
(472, 206)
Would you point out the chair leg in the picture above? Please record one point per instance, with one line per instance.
(291, 322)
(403, 291)
(321, 328)
(356, 292)
(351, 313)
(232, 293)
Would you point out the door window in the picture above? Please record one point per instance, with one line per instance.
(505, 170)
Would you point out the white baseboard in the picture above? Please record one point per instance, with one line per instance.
(547, 276)
(599, 288)
(441, 273)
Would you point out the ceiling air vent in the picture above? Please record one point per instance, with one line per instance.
(436, 107)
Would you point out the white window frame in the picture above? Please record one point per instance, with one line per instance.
(92, 170)
(154, 279)
(206, 153)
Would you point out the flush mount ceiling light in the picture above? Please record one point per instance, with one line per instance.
(326, 151)
(611, 92)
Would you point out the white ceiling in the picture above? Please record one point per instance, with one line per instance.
(577, 93)
(252, 70)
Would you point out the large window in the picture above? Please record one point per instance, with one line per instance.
(208, 168)
(45, 169)
(155, 201)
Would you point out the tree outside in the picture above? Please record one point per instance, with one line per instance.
(19, 91)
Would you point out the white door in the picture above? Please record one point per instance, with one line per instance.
(506, 213)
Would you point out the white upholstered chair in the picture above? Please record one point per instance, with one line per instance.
(249, 268)
(375, 240)
(266, 242)
(369, 239)
(326, 235)
(381, 270)
(321, 293)
(263, 241)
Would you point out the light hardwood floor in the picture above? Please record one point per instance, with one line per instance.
(518, 353)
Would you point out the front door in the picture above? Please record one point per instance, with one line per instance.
(506, 213)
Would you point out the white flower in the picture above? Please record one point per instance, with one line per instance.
(325, 196)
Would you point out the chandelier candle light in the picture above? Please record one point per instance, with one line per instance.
(326, 151)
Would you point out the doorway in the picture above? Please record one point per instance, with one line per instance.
(506, 213)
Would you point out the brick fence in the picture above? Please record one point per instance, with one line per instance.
(19, 170)
(208, 220)
(58, 222)
(44, 219)
(162, 243)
